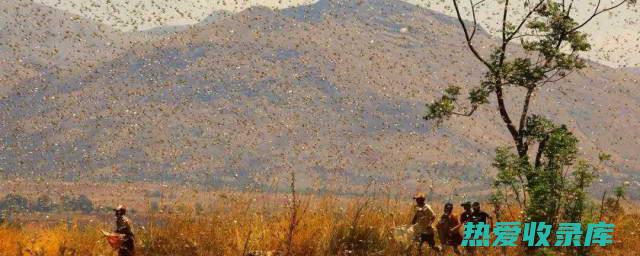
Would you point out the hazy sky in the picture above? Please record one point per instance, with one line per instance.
(616, 35)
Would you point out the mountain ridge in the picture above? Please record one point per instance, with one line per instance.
(240, 101)
(31, 46)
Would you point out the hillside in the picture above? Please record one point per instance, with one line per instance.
(334, 91)
(37, 39)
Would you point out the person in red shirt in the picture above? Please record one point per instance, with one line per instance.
(123, 227)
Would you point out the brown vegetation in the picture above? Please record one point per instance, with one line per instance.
(243, 225)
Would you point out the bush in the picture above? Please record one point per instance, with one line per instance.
(14, 203)
(43, 203)
(84, 204)
(81, 203)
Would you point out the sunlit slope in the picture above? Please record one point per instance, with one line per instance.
(333, 91)
(37, 39)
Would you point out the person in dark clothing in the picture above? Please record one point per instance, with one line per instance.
(123, 226)
(466, 215)
(478, 215)
(475, 216)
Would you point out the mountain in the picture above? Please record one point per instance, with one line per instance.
(615, 36)
(334, 91)
(208, 20)
(37, 39)
(634, 70)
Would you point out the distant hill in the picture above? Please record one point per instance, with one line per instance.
(634, 70)
(334, 91)
(210, 19)
(37, 39)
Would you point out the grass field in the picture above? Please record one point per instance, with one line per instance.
(240, 224)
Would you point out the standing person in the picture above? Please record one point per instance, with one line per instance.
(478, 215)
(123, 227)
(464, 218)
(449, 229)
(423, 223)
(466, 215)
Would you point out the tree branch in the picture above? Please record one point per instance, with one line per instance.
(523, 116)
(507, 120)
(524, 20)
(498, 86)
(473, 109)
(549, 80)
(541, 148)
(468, 37)
(504, 21)
(570, 7)
(503, 48)
(475, 20)
(542, 145)
(597, 12)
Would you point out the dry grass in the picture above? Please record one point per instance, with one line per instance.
(244, 224)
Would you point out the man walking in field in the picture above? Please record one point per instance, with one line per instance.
(449, 229)
(423, 221)
(480, 216)
(466, 215)
(476, 216)
(123, 227)
(464, 218)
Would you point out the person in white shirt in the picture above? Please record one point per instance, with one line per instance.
(423, 223)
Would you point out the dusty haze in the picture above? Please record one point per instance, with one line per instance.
(616, 36)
